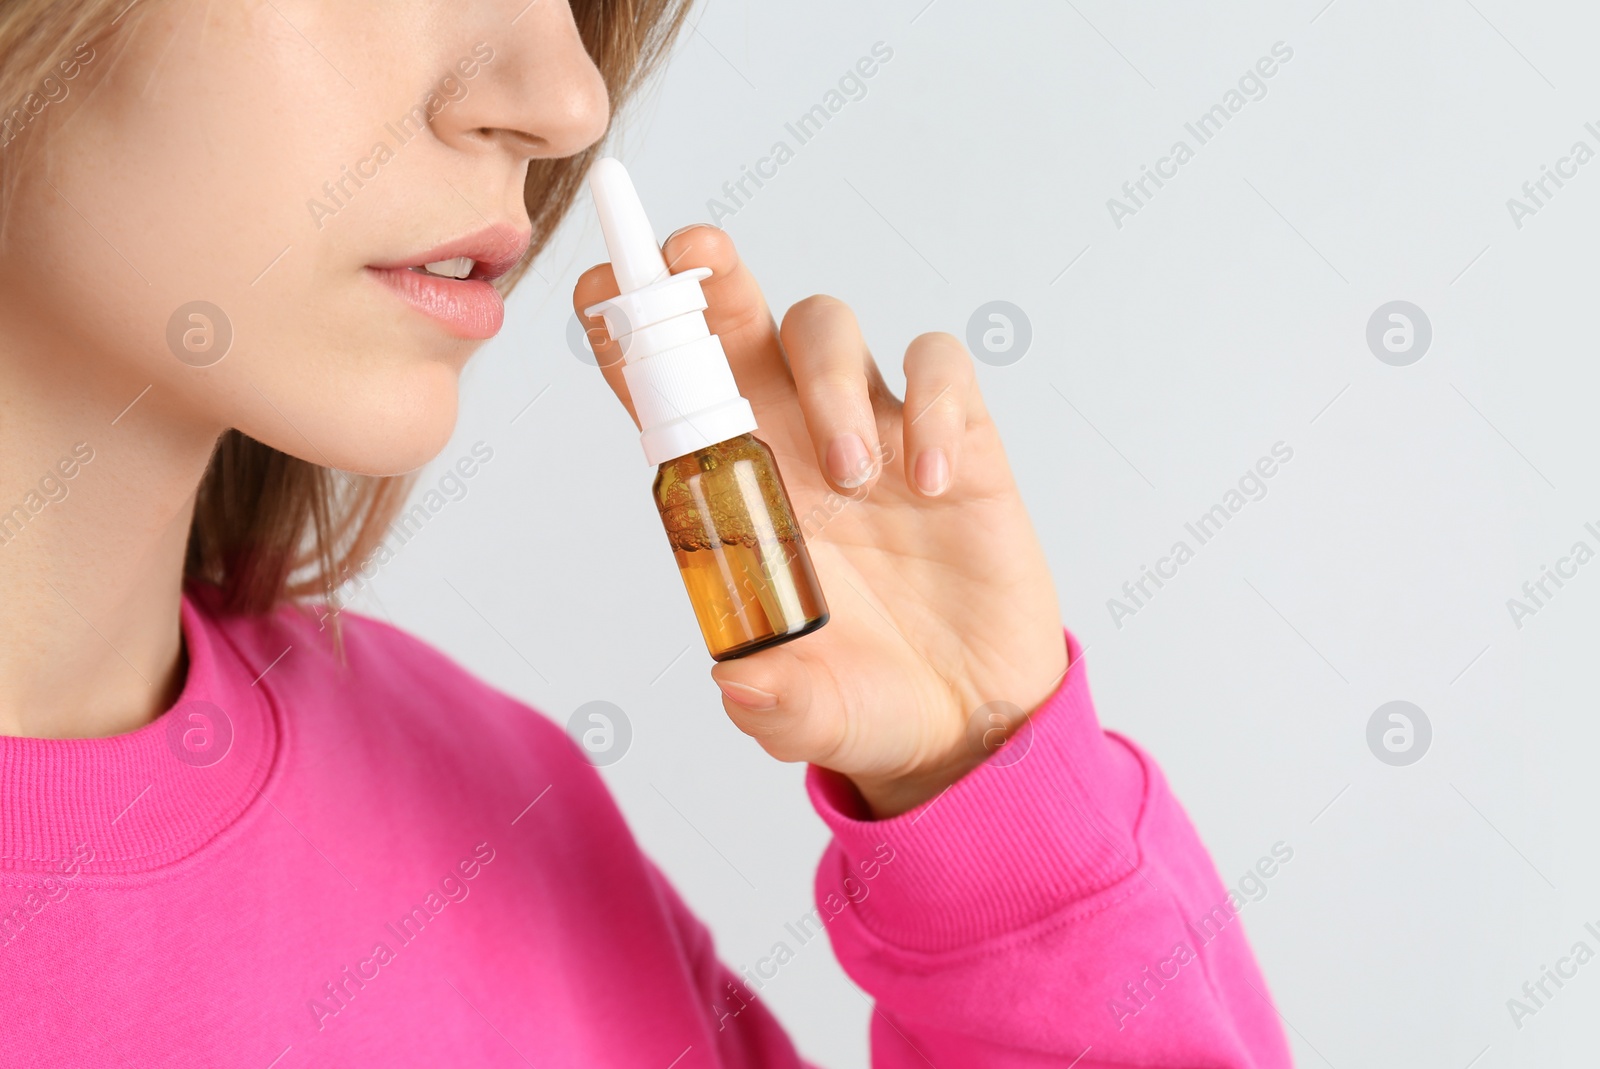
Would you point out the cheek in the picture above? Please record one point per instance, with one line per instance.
(178, 173)
(186, 175)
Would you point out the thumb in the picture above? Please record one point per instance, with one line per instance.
(769, 695)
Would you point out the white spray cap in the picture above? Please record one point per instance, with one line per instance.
(677, 373)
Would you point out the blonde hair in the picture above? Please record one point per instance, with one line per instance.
(269, 527)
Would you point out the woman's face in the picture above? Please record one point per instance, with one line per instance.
(288, 162)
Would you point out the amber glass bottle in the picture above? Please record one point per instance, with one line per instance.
(717, 487)
(739, 548)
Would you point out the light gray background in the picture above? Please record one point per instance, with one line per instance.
(1229, 314)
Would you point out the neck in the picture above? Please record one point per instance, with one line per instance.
(96, 499)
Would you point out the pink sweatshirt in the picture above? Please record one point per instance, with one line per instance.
(389, 863)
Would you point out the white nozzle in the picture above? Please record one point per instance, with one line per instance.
(677, 374)
(635, 257)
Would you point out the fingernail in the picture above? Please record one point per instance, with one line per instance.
(933, 472)
(681, 229)
(749, 697)
(848, 462)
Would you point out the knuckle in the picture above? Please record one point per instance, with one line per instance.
(703, 238)
(942, 340)
(938, 352)
(777, 738)
(596, 284)
(715, 247)
(834, 380)
(939, 388)
(939, 408)
(764, 729)
(713, 237)
(816, 311)
(703, 245)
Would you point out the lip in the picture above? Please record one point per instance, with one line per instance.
(469, 308)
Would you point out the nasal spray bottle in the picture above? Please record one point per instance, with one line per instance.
(732, 529)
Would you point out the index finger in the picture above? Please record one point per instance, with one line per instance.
(597, 284)
(736, 311)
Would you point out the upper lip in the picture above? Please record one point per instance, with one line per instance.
(496, 250)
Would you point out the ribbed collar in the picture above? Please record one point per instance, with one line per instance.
(138, 802)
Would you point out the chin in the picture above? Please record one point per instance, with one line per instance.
(375, 428)
(413, 428)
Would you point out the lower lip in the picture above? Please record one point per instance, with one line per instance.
(467, 308)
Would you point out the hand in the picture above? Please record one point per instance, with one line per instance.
(939, 595)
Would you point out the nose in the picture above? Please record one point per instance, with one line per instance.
(536, 92)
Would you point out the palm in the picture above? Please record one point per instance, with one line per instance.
(949, 591)
(938, 605)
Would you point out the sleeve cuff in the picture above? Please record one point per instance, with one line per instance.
(1045, 822)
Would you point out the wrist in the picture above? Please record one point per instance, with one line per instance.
(887, 797)
(999, 731)
(1019, 838)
